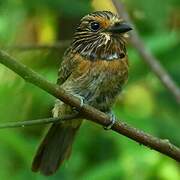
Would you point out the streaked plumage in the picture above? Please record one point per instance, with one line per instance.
(95, 67)
(99, 45)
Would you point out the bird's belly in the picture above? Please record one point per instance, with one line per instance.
(99, 84)
(102, 92)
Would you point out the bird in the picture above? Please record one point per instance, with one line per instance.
(94, 69)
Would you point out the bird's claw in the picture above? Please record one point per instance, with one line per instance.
(81, 102)
(113, 120)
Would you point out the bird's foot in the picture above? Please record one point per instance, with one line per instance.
(113, 120)
(81, 102)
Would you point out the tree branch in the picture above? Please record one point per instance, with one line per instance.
(163, 146)
(37, 122)
(147, 56)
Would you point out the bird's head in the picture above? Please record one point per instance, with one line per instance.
(101, 35)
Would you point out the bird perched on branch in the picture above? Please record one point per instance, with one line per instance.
(94, 68)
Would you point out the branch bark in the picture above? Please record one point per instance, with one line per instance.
(163, 146)
(147, 56)
(36, 122)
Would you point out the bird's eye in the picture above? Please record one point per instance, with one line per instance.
(95, 26)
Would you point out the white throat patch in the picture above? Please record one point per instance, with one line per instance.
(107, 37)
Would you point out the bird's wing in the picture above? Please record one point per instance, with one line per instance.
(66, 68)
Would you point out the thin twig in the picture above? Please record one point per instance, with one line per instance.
(147, 56)
(36, 122)
(163, 146)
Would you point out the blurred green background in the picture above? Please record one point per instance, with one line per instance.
(144, 102)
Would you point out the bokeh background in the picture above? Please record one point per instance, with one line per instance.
(144, 102)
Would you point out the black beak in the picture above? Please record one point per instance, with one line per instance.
(119, 28)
